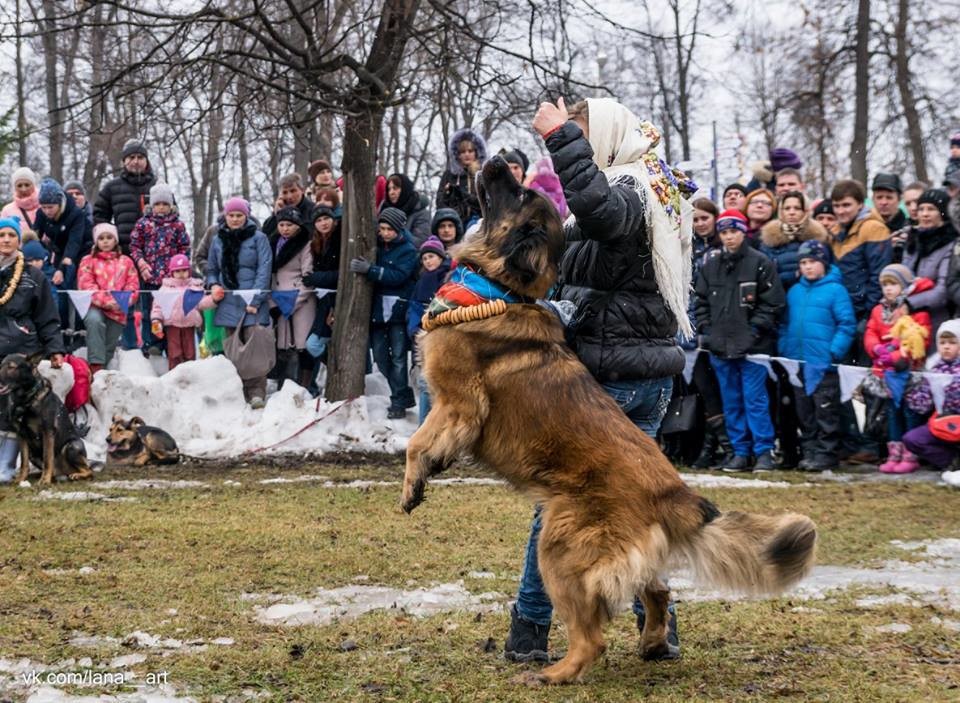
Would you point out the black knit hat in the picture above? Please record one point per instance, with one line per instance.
(824, 207)
(322, 211)
(290, 214)
(133, 146)
(936, 197)
(516, 157)
(393, 217)
(734, 186)
(887, 181)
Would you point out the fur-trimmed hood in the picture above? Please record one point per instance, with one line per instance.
(453, 165)
(772, 236)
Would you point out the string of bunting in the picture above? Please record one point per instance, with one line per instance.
(285, 300)
(850, 376)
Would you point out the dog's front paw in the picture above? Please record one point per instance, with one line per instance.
(531, 679)
(412, 495)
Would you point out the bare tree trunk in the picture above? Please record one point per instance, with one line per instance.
(98, 142)
(861, 122)
(21, 98)
(244, 158)
(907, 101)
(348, 347)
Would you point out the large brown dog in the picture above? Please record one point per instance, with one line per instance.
(508, 392)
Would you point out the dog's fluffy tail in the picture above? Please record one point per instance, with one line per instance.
(750, 553)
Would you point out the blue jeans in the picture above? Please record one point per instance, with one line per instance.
(389, 345)
(900, 421)
(645, 403)
(424, 398)
(746, 405)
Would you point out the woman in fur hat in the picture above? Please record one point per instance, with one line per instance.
(402, 195)
(458, 187)
(780, 239)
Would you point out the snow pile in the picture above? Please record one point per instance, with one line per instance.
(352, 601)
(200, 403)
(951, 478)
(718, 481)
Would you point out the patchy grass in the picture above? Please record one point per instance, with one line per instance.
(197, 550)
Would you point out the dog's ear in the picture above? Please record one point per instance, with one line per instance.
(35, 359)
(136, 421)
(117, 418)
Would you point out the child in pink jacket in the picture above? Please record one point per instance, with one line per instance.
(104, 272)
(180, 329)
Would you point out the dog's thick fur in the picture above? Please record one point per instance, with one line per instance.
(46, 433)
(133, 441)
(508, 392)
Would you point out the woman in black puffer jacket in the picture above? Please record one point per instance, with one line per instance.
(29, 322)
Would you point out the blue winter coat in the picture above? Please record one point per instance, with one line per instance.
(819, 323)
(394, 274)
(253, 274)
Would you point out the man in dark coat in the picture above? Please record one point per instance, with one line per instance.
(292, 194)
(122, 200)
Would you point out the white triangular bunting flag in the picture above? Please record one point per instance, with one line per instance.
(166, 299)
(81, 300)
(688, 364)
(323, 291)
(247, 295)
(792, 367)
(388, 302)
(764, 361)
(850, 378)
(938, 387)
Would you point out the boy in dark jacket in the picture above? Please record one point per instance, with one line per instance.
(435, 267)
(393, 277)
(739, 296)
(818, 328)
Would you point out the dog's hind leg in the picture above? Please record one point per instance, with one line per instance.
(655, 597)
(583, 611)
(24, 462)
(49, 457)
(450, 428)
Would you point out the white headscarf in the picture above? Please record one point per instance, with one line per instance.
(623, 149)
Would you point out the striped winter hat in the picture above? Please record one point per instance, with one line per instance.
(898, 273)
(732, 219)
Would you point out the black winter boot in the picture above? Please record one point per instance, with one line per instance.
(527, 641)
(707, 452)
(724, 448)
(673, 639)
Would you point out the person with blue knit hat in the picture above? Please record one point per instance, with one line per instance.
(818, 328)
(62, 227)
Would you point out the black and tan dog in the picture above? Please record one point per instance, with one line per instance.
(508, 392)
(46, 433)
(133, 441)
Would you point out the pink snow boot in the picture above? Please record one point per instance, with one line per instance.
(894, 454)
(908, 463)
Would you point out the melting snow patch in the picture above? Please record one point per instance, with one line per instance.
(946, 624)
(144, 640)
(717, 481)
(482, 575)
(896, 627)
(150, 483)
(215, 390)
(147, 694)
(126, 660)
(83, 496)
(352, 601)
(82, 571)
(296, 479)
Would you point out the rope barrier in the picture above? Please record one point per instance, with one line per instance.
(303, 429)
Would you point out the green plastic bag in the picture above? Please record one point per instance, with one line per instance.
(213, 335)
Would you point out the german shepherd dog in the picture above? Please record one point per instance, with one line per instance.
(136, 442)
(47, 435)
(509, 393)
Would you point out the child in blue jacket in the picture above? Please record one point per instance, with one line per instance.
(393, 277)
(818, 329)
